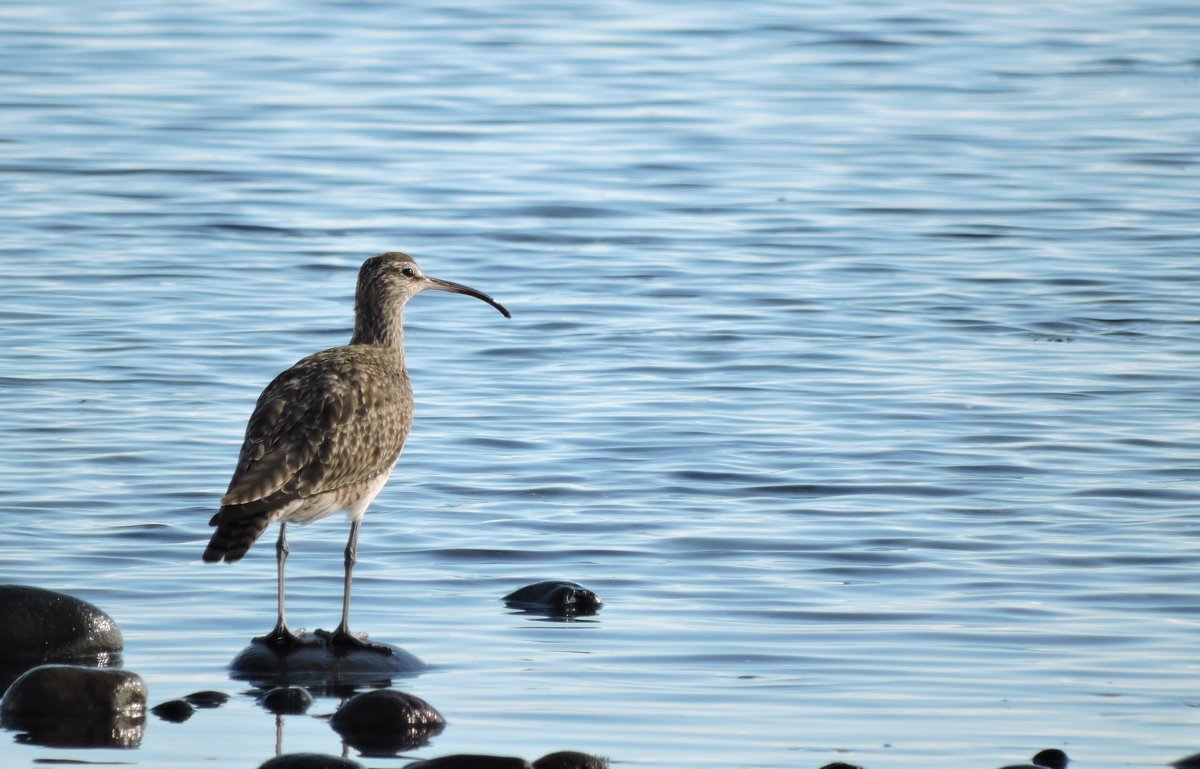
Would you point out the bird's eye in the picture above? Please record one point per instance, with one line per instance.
(408, 272)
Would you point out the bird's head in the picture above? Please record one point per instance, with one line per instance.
(394, 278)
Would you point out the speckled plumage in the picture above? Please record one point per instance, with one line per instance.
(321, 434)
(325, 434)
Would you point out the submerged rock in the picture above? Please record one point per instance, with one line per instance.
(207, 699)
(1187, 762)
(319, 664)
(470, 761)
(563, 759)
(556, 597)
(287, 701)
(1050, 758)
(385, 721)
(174, 711)
(309, 761)
(570, 759)
(71, 706)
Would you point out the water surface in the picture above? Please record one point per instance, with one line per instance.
(852, 361)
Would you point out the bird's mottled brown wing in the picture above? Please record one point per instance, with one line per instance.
(336, 418)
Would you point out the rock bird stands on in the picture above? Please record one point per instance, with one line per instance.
(326, 433)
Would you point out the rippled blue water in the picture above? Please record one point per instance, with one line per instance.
(852, 361)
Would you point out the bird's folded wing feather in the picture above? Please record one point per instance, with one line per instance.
(323, 424)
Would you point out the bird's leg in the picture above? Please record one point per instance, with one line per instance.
(280, 636)
(342, 636)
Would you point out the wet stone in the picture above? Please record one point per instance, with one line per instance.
(1187, 762)
(67, 705)
(45, 626)
(309, 761)
(385, 721)
(470, 761)
(556, 597)
(207, 699)
(1051, 758)
(174, 711)
(287, 700)
(318, 664)
(570, 759)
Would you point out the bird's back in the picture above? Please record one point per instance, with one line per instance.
(321, 434)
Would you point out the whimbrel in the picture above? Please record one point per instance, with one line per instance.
(326, 433)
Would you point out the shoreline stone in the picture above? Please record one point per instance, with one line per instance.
(73, 706)
(46, 626)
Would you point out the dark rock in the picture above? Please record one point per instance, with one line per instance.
(1051, 758)
(1188, 762)
(71, 706)
(470, 761)
(70, 690)
(309, 761)
(556, 597)
(841, 765)
(570, 759)
(45, 626)
(175, 711)
(207, 699)
(320, 665)
(287, 700)
(385, 721)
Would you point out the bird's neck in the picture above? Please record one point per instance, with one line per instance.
(379, 326)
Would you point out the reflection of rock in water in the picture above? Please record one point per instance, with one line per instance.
(309, 761)
(319, 665)
(555, 598)
(69, 706)
(385, 721)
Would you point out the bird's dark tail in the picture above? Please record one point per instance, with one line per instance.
(234, 537)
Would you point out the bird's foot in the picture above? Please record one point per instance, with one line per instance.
(343, 640)
(282, 639)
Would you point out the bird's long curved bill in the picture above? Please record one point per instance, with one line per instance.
(458, 288)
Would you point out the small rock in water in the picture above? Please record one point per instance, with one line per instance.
(1051, 758)
(207, 699)
(840, 765)
(70, 691)
(470, 761)
(287, 701)
(174, 711)
(67, 705)
(570, 759)
(309, 761)
(1188, 762)
(557, 597)
(318, 664)
(385, 721)
(44, 626)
